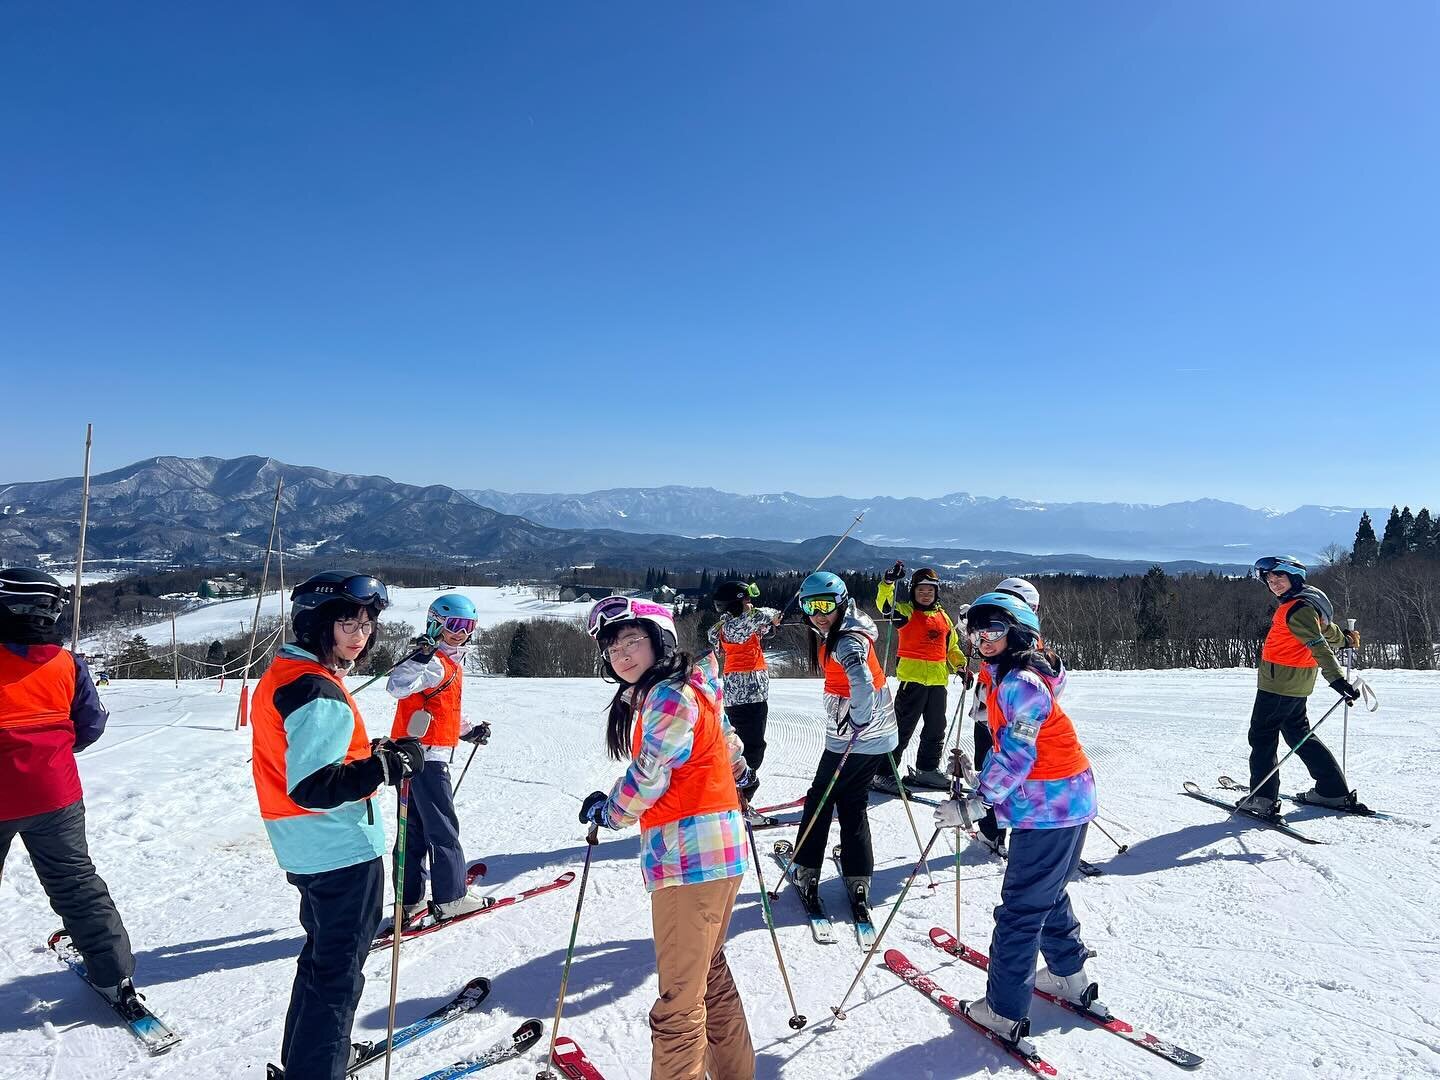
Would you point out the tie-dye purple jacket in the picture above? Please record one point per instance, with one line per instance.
(1025, 700)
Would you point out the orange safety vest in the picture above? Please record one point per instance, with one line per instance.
(746, 656)
(926, 636)
(705, 784)
(441, 702)
(838, 683)
(1058, 753)
(37, 739)
(1281, 644)
(269, 741)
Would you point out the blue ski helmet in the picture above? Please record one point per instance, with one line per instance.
(1007, 607)
(1284, 564)
(824, 583)
(451, 612)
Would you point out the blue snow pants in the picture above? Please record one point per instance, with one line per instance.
(340, 911)
(1034, 916)
(432, 838)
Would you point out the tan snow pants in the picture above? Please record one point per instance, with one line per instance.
(697, 1027)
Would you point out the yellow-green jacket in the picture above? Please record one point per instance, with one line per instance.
(929, 644)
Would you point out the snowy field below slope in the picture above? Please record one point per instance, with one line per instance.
(1269, 958)
(493, 605)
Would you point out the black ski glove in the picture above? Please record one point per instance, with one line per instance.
(424, 648)
(400, 759)
(1346, 689)
(592, 810)
(895, 573)
(479, 734)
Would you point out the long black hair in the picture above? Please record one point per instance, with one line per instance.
(670, 665)
(319, 636)
(831, 638)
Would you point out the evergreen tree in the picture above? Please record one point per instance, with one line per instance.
(649, 579)
(1394, 543)
(215, 656)
(705, 585)
(1367, 548)
(517, 663)
(135, 661)
(1154, 607)
(1407, 530)
(1422, 535)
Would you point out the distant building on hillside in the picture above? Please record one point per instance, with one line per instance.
(585, 594)
(222, 588)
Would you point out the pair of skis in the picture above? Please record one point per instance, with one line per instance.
(1022, 1051)
(429, 924)
(1358, 810)
(821, 928)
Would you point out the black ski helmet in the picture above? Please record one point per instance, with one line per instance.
(331, 589)
(730, 596)
(31, 598)
(925, 576)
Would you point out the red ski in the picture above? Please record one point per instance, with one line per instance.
(1143, 1039)
(571, 1060)
(385, 940)
(895, 960)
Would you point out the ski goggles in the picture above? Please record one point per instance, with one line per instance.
(615, 609)
(360, 589)
(819, 605)
(456, 625)
(994, 630)
(1272, 563)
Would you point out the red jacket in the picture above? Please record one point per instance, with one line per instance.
(49, 709)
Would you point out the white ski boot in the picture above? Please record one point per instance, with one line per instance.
(1077, 989)
(1014, 1032)
(472, 901)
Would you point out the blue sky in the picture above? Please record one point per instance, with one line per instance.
(1132, 251)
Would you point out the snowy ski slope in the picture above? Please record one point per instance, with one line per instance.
(1269, 958)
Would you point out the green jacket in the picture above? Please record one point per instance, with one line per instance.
(1304, 623)
(909, 669)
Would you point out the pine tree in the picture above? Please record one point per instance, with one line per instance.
(1407, 530)
(1367, 548)
(1422, 535)
(649, 579)
(517, 663)
(1393, 543)
(1155, 604)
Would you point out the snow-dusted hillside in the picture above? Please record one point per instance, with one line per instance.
(1269, 958)
(495, 605)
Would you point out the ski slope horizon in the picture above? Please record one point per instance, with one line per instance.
(1268, 958)
(223, 618)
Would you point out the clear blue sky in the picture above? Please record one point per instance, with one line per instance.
(1139, 251)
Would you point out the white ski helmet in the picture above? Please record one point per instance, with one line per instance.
(1018, 586)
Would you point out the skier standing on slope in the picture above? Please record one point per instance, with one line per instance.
(434, 683)
(1039, 782)
(316, 776)
(929, 651)
(685, 765)
(992, 836)
(860, 717)
(49, 711)
(1301, 641)
(747, 682)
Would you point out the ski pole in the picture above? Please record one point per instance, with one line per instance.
(839, 1010)
(816, 816)
(419, 724)
(909, 813)
(591, 839)
(1121, 848)
(1345, 721)
(823, 561)
(954, 792)
(1371, 704)
(796, 1020)
(464, 770)
(418, 654)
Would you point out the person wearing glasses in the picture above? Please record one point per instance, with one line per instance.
(747, 681)
(316, 776)
(1301, 643)
(432, 680)
(686, 764)
(1038, 780)
(860, 722)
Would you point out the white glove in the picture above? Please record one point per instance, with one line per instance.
(960, 813)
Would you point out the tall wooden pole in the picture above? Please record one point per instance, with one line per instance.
(80, 552)
(175, 650)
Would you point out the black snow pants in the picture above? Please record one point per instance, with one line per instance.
(912, 702)
(340, 911)
(1275, 715)
(56, 843)
(851, 799)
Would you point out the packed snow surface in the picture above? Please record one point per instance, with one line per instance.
(1269, 958)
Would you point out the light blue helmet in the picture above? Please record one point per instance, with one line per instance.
(1284, 564)
(824, 583)
(452, 612)
(1007, 606)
